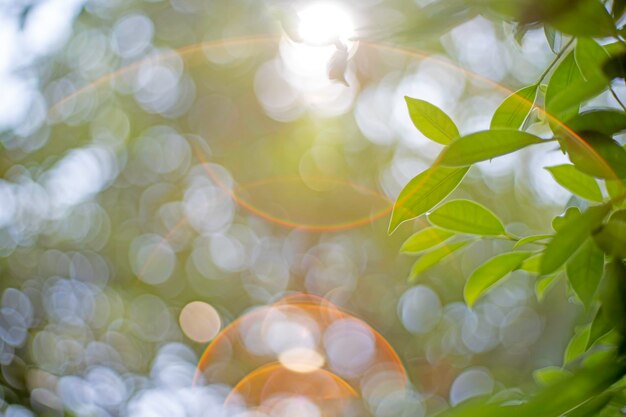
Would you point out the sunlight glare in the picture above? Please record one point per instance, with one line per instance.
(323, 23)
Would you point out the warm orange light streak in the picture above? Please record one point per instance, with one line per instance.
(274, 379)
(270, 39)
(163, 56)
(578, 140)
(290, 224)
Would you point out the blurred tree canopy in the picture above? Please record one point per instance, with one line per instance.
(171, 165)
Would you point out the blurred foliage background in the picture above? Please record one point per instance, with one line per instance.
(158, 153)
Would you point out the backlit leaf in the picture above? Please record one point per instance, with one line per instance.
(425, 239)
(532, 264)
(576, 182)
(550, 374)
(570, 237)
(566, 103)
(590, 58)
(559, 221)
(600, 326)
(607, 122)
(432, 258)
(544, 284)
(514, 109)
(577, 344)
(597, 155)
(615, 188)
(466, 216)
(488, 144)
(433, 122)
(490, 272)
(424, 192)
(584, 271)
(565, 75)
(530, 239)
(611, 238)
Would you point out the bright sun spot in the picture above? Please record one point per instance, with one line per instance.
(322, 23)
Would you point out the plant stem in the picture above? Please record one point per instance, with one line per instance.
(556, 59)
(511, 236)
(614, 94)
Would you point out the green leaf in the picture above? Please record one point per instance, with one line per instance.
(615, 48)
(515, 108)
(532, 264)
(530, 239)
(432, 258)
(543, 285)
(613, 294)
(570, 237)
(615, 67)
(600, 326)
(611, 237)
(565, 75)
(584, 271)
(553, 37)
(615, 188)
(576, 182)
(424, 192)
(550, 375)
(597, 155)
(568, 87)
(489, 273)
(555, 400)
(566, 103)
(466, 216)
(590, 58)
(593, 406)
(425, 239)
(488, 144)
(431, 121)
(585, 18)
(577, 344)
(607, 122)
(559, 221)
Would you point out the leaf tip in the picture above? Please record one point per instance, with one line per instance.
(393, 225)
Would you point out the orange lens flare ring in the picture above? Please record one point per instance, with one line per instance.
(250, 354)
(236, 195)
(190, 50)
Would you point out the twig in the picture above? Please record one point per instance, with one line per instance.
(614, 94)
(554, 61)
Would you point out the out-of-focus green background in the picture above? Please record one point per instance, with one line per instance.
(158, 153)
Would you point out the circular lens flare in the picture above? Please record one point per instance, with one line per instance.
(275, 380)
(290, 202)
(193, 54)
(298, 347)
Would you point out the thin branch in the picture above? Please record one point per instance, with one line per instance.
(617, 98)
(556, 59)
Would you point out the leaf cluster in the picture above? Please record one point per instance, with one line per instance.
(586, 247)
